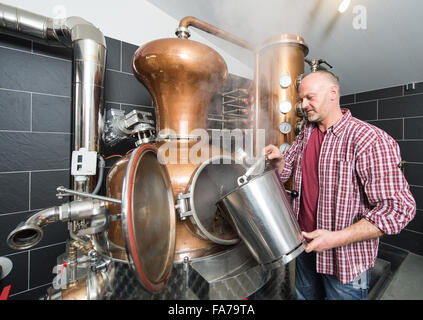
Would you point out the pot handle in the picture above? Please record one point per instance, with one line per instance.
(293, 193)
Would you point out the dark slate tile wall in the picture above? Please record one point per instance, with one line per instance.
(36, 144)
(399, 111)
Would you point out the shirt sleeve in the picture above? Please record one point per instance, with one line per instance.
(392, 205)
(290, 156)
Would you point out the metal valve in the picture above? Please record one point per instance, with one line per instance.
(315, 64)
(96, 263)
(135, 123)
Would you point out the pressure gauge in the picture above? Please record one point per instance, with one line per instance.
(285, 106)
(284, 146)
(299, 79)
(285, 127)
(285, 81)
(300, 111)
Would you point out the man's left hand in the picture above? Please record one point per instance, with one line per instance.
(321, 240)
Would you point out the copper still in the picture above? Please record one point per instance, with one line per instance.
(182, 76)
(279, 67)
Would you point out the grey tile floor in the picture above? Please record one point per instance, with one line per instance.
(406, 283)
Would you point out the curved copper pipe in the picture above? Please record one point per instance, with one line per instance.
(204, 26)
(182, 32)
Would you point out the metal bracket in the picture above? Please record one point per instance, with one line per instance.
(98, 264)
(183, 208)
(315, 64)
(410, 86)
(64, 192)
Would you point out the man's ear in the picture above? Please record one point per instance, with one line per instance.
(334, 93)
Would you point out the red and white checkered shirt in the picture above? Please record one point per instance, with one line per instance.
(359, 178)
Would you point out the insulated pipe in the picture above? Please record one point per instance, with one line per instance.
(89, 65)
(89, 60)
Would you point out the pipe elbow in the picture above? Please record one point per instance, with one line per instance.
(186, 21)
(81, 29)
(182, 31)
(53, 31)
(29, 233)
(67, 31)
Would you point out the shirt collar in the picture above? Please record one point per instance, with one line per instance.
(339, 126)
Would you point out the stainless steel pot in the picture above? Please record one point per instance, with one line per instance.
(264, 219)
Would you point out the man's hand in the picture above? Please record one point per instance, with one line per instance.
(273, 153)
(320, 240)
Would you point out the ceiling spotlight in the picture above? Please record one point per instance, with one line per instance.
(344, 6)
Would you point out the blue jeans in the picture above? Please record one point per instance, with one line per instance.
(310, 285)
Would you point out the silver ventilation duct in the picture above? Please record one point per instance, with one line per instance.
(89, 65)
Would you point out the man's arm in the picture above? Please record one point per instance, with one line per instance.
(322, 240)
(392, 205)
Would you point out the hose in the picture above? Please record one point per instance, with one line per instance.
(101, 166)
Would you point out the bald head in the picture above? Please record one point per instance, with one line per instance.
(322, 80)
(319, 94)
(324, 76)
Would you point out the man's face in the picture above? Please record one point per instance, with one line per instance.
(314, 94)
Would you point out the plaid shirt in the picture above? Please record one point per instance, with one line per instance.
(359, 178)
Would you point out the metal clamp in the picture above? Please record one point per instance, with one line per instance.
(182, 32)
(135, 123)
(97, 264)
(145, 133)
(183, 208)
(258, 167)
(242, 180)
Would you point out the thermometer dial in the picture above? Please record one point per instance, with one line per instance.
(285, 81)
(285, 127)
(285, 106)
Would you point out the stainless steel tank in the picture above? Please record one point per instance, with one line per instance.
(264, 219)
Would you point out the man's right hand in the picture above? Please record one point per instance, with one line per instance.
(273, 153)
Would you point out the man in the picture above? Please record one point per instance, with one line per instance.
(351, 191)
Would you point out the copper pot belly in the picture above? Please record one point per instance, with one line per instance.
(182, 76)
(190, 241)
(114, 183)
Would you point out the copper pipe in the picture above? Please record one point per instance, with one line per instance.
(256, 104)
(182, 32)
